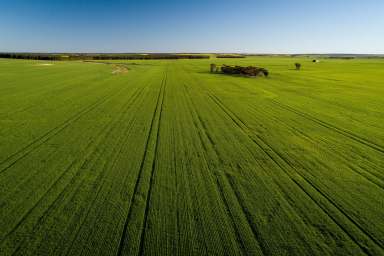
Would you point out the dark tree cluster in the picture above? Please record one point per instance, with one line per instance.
(246, 71)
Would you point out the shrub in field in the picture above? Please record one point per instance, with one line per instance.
(298, 66)
(213, 68)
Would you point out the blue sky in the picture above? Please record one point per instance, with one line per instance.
(249, 26)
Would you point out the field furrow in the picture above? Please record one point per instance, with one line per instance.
(136, 220)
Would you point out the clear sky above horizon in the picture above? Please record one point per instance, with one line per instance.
(247, 26)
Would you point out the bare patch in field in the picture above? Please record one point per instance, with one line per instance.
(119, 69)
(44, 64)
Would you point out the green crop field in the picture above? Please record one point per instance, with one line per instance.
(161, 157)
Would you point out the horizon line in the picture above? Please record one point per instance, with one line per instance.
(156, 52)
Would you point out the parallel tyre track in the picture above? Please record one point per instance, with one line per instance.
(262, 145)
(156, 118)
(264, 249)
(248, 131)
(367, 174)
(26, 150)
(341, 131)
(115, 157)
(103, 134)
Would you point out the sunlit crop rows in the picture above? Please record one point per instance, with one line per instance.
(168, 159)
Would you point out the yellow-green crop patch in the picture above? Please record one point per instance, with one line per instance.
(169, 159)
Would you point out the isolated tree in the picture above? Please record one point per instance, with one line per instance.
(298, 66)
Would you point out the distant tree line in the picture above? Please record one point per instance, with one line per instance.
(342, 57)
(30, 56)
(230, 56)
(149, 56)
(56, 56)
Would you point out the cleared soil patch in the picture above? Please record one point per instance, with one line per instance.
(44, 64)
(120, 69)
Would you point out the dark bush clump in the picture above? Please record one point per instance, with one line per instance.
(247, 71)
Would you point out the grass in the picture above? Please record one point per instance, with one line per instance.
(167, 158)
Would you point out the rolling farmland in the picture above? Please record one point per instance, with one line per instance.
(168, 159)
